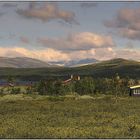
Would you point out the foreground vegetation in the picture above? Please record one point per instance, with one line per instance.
(36, 116)
(85, 108)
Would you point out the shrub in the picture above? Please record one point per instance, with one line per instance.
(29, 90)
(15, 91)
(2, 91)
(56, 98)
(85, 86)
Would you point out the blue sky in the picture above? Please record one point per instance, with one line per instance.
(62, 31)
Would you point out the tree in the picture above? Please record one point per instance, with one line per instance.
(51, 87)
(41, 87)
(55, 88)
(116, 85)
(85, 86)
(69, 88)
(10, 79)
(29, 90)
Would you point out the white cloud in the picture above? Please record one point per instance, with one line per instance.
(133, 54)
(47, 12)
(80, 45)
(55, 55)
(75, 46)
(49, 54)
(127, 23)
(78, 41)
(45, 54)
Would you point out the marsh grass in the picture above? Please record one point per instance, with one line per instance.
(24, 116)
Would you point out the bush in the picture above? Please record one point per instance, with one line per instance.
(29, 90)
(41, 87)
(56, 98)
(85, 86)
(15, 91)
(2, 91)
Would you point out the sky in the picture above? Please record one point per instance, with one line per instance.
(64, 31)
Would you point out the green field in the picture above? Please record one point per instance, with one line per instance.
(7, 89)
(34, 116)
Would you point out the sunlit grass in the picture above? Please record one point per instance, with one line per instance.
(33, 116)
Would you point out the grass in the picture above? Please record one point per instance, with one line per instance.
(33, 116)
(6, 89)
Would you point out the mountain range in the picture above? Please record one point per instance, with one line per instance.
(125, 68)
(75, 63)
(24, 62)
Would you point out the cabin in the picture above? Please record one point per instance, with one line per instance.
(75, 77)
(135, 90)
(72, 78)
(11, 84)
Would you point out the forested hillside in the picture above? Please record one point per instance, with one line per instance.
(125, 68)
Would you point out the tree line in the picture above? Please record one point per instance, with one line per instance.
(87, 85)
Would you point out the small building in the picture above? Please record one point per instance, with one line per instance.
(72, 78)
(66, 81)
(11, 84)
(75, 77)
(135, 90)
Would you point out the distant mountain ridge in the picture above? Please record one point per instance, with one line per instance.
(75, 63)
(25, 62)
(81, 65)
(108, 68)
(22, 62)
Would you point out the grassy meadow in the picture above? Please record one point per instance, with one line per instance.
(36, 116)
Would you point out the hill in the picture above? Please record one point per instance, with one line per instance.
(125, 68)
(25, 62)
(75, 63)
(22, 62)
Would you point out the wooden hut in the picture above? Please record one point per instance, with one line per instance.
(72, 78)
(135, 90)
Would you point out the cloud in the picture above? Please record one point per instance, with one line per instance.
(88, 4)
(45, 54)
(130, 33)
(127, 23)
(55, 55)
(128, 54)
(98, 53)
(72, 47)
(24, 40)
(104, 53)
(82, 54)
(48, 12)
(48, 54)
(78, 41)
